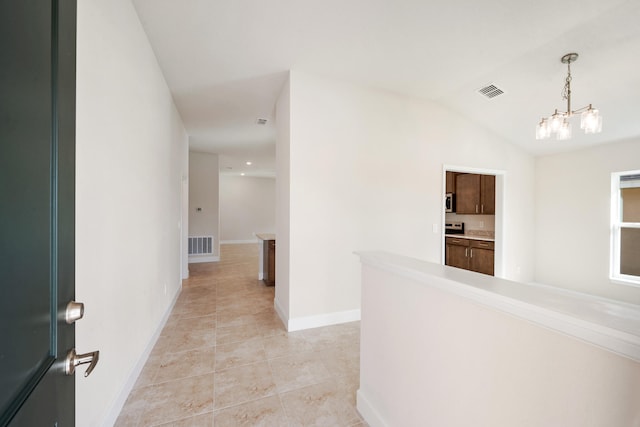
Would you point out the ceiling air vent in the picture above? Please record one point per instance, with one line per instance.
(490, 91)
(261, 122)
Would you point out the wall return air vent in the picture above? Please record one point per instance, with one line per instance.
(200, 245)
(490, 91)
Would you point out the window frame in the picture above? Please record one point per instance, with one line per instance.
(617, 224)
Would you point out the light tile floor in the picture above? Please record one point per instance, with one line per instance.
(225, 359)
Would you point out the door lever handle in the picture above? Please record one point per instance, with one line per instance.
(74, 359)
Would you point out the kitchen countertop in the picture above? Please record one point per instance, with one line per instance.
(472, 237)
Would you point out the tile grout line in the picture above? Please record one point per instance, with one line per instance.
(256, 319)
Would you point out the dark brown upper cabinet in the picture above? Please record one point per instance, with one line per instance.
(475, 194)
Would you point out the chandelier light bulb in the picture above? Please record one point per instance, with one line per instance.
(565, 131)
(591, 121)
(555, 121)
(543, 130)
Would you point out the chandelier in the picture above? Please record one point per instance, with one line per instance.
(558, 123)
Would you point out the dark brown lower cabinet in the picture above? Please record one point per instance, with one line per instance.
(269, 262)
(457, 252)
(474, 255)
(481, 257)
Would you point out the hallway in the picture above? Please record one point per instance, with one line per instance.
(225, 359)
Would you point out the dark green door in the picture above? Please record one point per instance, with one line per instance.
(37, 167)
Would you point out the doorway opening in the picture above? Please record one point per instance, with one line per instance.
(472, 226)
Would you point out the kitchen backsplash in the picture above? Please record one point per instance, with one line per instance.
(480, 233)
(475, 223)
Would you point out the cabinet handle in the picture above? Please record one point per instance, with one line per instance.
(471, 253)
(482, 208)
(466, 252)
(476, 208)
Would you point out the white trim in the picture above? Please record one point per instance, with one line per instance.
(368, 412)
(238, 242)
(467, 169)
(184, 226)
(316, 321)
(325, 319)
(616, 225)
(615, 197)
(196, 259)
(118, 403)
(626, 280)
(611, 325)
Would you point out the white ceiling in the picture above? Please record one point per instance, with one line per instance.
(226, 60)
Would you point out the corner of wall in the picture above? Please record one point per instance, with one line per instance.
(283, 167)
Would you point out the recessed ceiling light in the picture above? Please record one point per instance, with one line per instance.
(249, 163)
(242, 174)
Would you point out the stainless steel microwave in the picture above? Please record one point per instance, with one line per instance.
(449, 202)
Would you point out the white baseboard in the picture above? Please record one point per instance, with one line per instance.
(280, 312)
(237, 242)
(196, 259)
(368, 412)
(319, 320)
(118, 404)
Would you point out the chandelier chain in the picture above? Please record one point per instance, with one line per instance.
(566, 91)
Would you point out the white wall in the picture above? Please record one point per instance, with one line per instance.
(573, 202)
(475, 365)
(366, 173)
(131, 155)
(247, 206)
(204, 194)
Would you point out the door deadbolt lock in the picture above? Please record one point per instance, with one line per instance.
(75, 311)
(73, 359)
